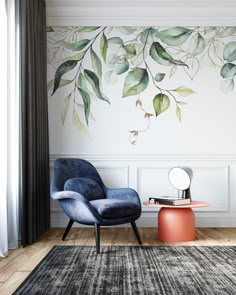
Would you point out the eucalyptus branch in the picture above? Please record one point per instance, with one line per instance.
(81, 61)
(90, 46)
(153, 78)
(132, 41)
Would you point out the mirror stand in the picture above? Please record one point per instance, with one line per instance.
(186, 194)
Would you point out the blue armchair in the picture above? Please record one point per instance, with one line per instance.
(84, 198)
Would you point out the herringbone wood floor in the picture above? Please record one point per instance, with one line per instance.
(18, 265)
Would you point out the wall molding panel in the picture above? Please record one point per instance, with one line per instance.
(115, 176)
(212, 182)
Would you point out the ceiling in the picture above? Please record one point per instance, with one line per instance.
(140, 3)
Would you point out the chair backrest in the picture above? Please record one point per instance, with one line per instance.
(68, 168)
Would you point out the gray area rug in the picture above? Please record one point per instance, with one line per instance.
(134, 270)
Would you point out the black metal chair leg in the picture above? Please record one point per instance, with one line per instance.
(67, 229)
(97, 237)
(136, 232)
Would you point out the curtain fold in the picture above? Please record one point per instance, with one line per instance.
(13, 140)
(9, 128)
(35, 193)
(3, 132)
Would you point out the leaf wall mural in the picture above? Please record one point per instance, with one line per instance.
(83, 58)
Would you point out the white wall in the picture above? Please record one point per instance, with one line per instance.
(204, 140)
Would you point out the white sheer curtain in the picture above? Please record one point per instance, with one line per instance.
(3, 132)
(9, 129)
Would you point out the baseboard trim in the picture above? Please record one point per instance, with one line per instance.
(59, 220)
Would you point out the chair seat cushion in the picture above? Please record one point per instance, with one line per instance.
(87, 187)
(114, 208)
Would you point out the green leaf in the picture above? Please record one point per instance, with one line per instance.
(115, 44)
(115, 40)
(228, 70)
(131, 50)
(227, 85)
(88, 29)
(77, 56)
(184, 91)
(127, 30)
(66, 107)
(208, 30)
(63, 82)
(159, 77)
(62, 69)
(76, 46)
(87, 102)
(173, 71)
(200, 46)
(81, 106)
(154, 33)
(95, 84)
(122, 67)
(226, 31)
(161, 103)
(113, 59)
(160, 55)
(96, 63)
(81, 83)
(230, 52)
(50, 29)
(77, 122)
(144, 35)
(103, 46)
(149, 34)
(135, 82)
(174, 36)
(178, 113)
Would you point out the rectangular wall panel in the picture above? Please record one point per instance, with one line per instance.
(210, 183)
(114, 177)
(153, 182)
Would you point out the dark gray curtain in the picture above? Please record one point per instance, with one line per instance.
(35, 199)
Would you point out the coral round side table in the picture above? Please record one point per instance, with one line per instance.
(177, 223)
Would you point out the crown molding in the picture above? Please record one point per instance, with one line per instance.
(135, 3)
(156, 16)
(144, 11)
(149, 157)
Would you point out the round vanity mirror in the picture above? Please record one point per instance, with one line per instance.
(180, 177)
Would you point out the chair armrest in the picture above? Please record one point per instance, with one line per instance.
(127, 194)
(77, 207)
(68, 195)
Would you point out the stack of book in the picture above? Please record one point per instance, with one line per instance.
(169, 201)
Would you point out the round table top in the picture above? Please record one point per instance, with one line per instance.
(193, 204)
